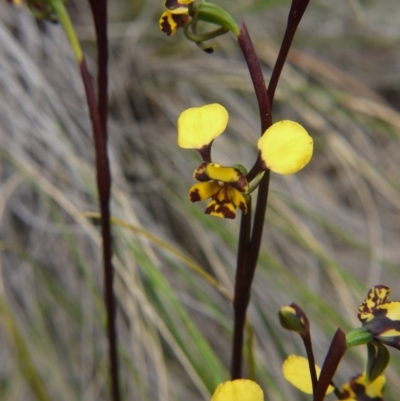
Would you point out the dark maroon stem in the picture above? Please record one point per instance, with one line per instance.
(296, 12)
(258, 226)
(239, 307)
(98, 114)
(99, 10)
(306, 337)
(103, 177)
(336, 351)
(265, 100)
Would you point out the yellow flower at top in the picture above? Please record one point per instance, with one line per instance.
(381, 317)
(175, 16)
(284, 148)
(238, 390)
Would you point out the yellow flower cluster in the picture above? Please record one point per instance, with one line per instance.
(284, 148)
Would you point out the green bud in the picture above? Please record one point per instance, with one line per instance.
(293, 318)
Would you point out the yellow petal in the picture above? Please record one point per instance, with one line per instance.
(238, 390)
(238, 199)
(377, 295)
(285, 147)
(199, 126)
(375, 389)
(203, 190)
(230, 175)
(392, 310)
(170, 22)
(296, 371)
(224, 209)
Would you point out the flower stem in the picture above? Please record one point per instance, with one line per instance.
(246, 45)
(239, 303)
(62, 14)
(104, 185)
(306, 337)
(98, 114)
(99, 11)
(296, 12)
(265, 99)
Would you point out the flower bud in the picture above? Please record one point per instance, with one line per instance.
(293, 318)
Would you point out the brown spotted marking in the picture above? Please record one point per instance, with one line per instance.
(194, 195)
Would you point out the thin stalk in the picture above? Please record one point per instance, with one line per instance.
(242, 281)
(296, 12)
(104, 185)
(99, 11)
(306, 337)
(239, 302)
(265, 99)
(98, 112)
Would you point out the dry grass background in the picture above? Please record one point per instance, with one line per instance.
(332, 230)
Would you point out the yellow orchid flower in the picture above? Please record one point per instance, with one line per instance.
(224, 185)
(175, 16)
(238, 390)
(284, 148)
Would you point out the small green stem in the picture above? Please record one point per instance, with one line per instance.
(63, 16)
(198, 38)
(358, 336)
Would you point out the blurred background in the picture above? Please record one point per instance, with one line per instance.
(331, 231)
